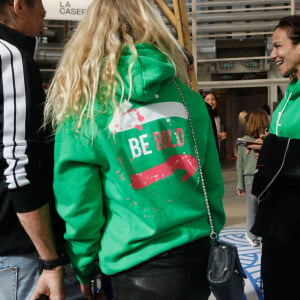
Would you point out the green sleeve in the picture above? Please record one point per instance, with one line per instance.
(239, 168)
(78, 192)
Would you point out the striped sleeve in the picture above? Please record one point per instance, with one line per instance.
(14, 116)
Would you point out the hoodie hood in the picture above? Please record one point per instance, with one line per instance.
(150, 70)
(294, 88)
(285, 119)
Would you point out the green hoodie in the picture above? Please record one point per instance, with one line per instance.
(286, 117)
(132, 192)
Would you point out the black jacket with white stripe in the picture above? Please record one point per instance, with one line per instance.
(25, 149)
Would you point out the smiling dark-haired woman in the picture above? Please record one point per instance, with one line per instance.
(277, 181)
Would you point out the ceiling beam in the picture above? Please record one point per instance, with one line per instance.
(179, 21)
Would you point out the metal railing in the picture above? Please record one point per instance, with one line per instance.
(223, 19)
(211, 21)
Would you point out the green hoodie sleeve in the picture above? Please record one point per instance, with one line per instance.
(78, 191)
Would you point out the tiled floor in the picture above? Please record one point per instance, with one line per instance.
(234, 232)
(250, 259)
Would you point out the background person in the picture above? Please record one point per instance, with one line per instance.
(213, 122)
(26, 170)
(242, 121)
(189, 59)
(241, 127)
(277, 180)
(211, 99)
(125, 178)
(266, 108)
(246, 165)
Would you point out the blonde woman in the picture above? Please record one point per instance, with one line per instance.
(126, 175)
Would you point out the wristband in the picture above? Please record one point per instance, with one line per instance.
(51, 264)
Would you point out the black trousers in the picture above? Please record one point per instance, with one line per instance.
(179, 274)
(280, 265)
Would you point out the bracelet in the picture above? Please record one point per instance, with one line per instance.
(51, 264)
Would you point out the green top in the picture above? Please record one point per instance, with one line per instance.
(133, 192)
(245, 164)
(285, 119)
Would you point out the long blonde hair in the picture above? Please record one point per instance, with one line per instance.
(88, 67)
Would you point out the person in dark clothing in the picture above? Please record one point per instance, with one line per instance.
(213, 123)
(26, 169)
(189, 58)
(211, 99)
(266, 108)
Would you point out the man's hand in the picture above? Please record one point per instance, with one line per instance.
(51, 284)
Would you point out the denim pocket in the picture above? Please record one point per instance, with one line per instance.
(8, 283)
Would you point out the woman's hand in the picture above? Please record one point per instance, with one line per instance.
(222, 135)
(241, 192)
(256, 146)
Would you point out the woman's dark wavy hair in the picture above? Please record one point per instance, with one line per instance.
(292, 25)
(215, 111)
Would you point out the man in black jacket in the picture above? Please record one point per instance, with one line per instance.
(26, 155)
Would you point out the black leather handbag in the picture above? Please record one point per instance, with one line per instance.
(225, 273)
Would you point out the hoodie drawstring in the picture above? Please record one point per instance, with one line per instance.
(280, 114)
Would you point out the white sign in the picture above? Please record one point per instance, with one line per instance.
(69, 10)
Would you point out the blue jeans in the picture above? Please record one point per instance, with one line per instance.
(18, 276)
(252, 204)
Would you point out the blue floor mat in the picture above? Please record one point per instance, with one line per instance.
(250, 259)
